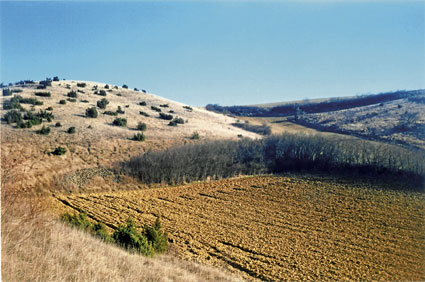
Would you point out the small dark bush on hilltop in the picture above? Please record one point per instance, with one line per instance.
(120, 122)
(6, 92)
(125, 86)
(12, 116)
(71, 130)
(106, 86)
(55, 78)
(165, 116)
(141, 126)
(164, 105)
(42, 94)
(59, 151)
(188, 108)
(43, 131)
(72, 94)
(91, 112)
(101, 92)
(81, 84)
(144, 114)
(102, 103)
(143, 103)
(110, 113)
(139, 137)
(120, 111)
(62, 102)
(156, 109)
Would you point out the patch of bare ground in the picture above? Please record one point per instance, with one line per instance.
(280, 228)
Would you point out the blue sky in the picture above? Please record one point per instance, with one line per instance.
(239, 52)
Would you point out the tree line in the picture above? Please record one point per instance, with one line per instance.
(276, 154)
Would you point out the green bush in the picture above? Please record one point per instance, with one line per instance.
(179, 120)
(188, 108)
(34, 119)
(46, 115)
(128, 237)
(72, 100)
(13, 103)
(17, 90)
(120, 122)
(84, 101)
(110, 113)
(81, 221)
(22, 124)
(102, 103)
(143, 103)
(165, 116)
(91, 112)
(12, 116)
(56, 78)
(71, 130)
(125, 86)
(49, 109)
(43, 131)
(144, 114)
(156, 109)
(120, 111)
(164, 105)
(7, 92)
(62, 102)
(195, 136)
(43, 94)
(141, 126)
(156, 236)
(172, 123)
(82, 84)
(106, 86)
(101, 93)
(58, 124)
(72, 94)
(59, 151)
(139, 137)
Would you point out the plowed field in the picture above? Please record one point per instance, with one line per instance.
(280, 228)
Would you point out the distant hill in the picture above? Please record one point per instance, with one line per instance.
(312, 106)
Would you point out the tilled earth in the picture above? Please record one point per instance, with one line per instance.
(280, 228)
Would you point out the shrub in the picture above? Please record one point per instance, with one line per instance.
(125, 86)
(127, 106)
(156, 109)
(102, 103)
(164, 105)
(81, 221)
(62, 102)
(171, 111)
(119, 94)
(110, 113)
(55, 78)
(195, 136)
(72, 100)
(17, 90)
(80, 91)
(106, 86)
(135, 89)
(101, 92)
(49, 109)
(72, 94)
(43, 131)
(45, 115)
(141, 126)
(41, 86)
(120, 111)
(82, 84)
(42, 94)
(47, 82)
(71, 130)
(84, 101)
(128, 237)
(94, 87)
(7, 92)
(143, 103)
(58, 124)
(59, 151)
(179, 120)
(120, 122)
(33, 119)
(22, 124)
(143, 90)
(12, 116)
(165, 116)
(172, 123)
(13, 103)
(144, 114)
(91, 112)
(139, 137)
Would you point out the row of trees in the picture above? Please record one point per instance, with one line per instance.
(275, 154)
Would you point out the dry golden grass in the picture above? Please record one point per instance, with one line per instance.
(103, 144)
(281, 228)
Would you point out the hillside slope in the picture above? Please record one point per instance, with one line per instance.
(96, 141)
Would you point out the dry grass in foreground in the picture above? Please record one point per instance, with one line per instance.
(41, 250)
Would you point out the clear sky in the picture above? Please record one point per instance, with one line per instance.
(239, 52)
